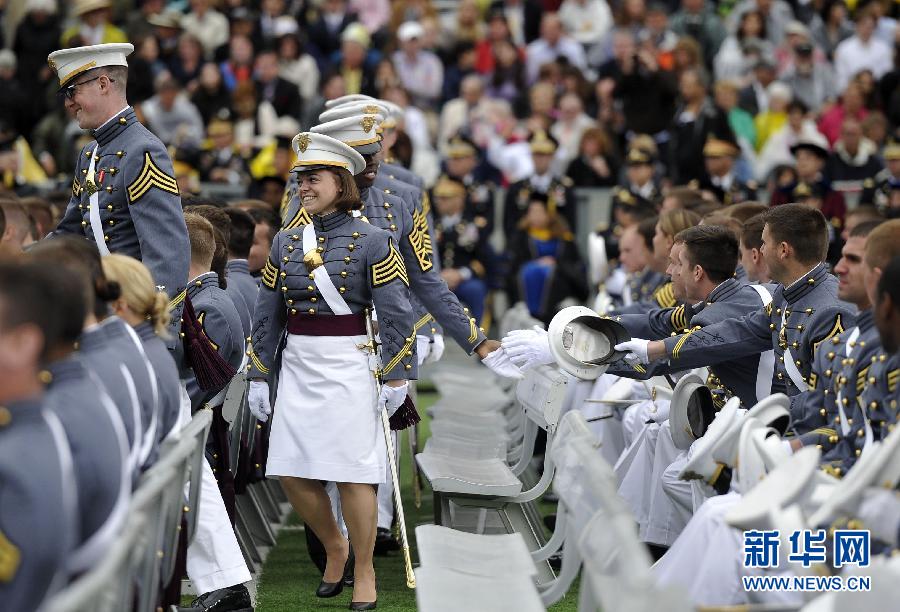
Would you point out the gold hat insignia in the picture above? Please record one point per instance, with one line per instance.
(303, 142)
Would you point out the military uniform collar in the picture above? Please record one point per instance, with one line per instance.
(723, 290)
(66, 369)
(92, 338)
(145, 330)
(865, 320)
(805, 283)
(740, 273)
(201, 283)
(115, 126)
(326, 223)
(19, 409)
(112, 327)
(237, 265)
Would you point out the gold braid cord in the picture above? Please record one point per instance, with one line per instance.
(681, 342)
(301, 218)
(421, 241)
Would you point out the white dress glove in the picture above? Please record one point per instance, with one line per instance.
(500, 363)
(392, 398)
(437, 349)
(636, 349)
(880, 514)
(423, 348)
(258, 400)
(528, 348)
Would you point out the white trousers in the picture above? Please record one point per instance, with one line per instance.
(634, 471)
(663, 522)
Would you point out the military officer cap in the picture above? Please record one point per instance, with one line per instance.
(354, 109)
(638, 156)
(716, 147)
(542, 143)
(447, 187)
(357, 131)
(892, 152)
(391, 112)
(460, 146)
(316, 151)
(812, 142)
(69, 63)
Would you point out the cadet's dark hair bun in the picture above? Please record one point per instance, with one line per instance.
(107, 290)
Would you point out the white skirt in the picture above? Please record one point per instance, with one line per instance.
(324, 424)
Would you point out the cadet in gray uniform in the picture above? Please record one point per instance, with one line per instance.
(92, 423)
(146, 310)
(38, 501)
(391, 213)
(124, 195)
(240, 242)
(319, 280)
(804, 311)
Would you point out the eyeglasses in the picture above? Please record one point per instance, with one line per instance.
(70, 91)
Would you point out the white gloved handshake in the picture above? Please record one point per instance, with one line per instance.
(528, 348)
(391, 398)
(636, 349)
(258, 400)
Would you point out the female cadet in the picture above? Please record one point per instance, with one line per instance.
(147, 311)
(317, 285)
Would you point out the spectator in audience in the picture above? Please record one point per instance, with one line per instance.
(355, 64)
(695, 121)
(93, 25)
(777, 150)
(458, 114)
(211, 97)
(862, 51)
(281, 94)
(740, 121)
(552, 44)
(507, 79)
(719, 158)
(830, 26)
(772, 119)
(811, 155)
(810, 81)
(587, 21)
(16, 109)
(188, 62)
(420, 71)
(137, 24)
(546, 267)
(254, 122)
(697, 19)
(734, 59)
(373, 14)
(37, 35)
(596, 164)
(777, 14)
(883, 191)
(851, 105)
(207, 25)
(325, 32)
(568, 129)
(853, 158)
(221, 160)
(754, 98)
(172, 116)
(238, 66)
(297, 66)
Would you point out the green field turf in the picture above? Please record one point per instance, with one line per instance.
(289, 578)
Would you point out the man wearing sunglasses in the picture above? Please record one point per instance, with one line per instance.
(124, 195)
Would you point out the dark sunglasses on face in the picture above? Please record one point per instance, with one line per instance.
(70, 91)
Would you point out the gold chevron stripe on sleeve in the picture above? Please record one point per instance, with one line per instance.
(149, 177)
(837, 328)
(426, 203)
(301, 218)
(665, 296)
(892, 378)
(389, 268)
(257, 363)
(269, 274)
(473, 330)
(422, 322)
(76, 188)
(421, 241)
(677, 319)
(407, 347)
(681, 342)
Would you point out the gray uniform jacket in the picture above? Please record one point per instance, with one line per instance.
(222, 326)
(140, 209)
(101, 358)
(99, 456)
(799, 319)
(167, 381)
(364, 265)
(129, 350)
(662, 297)
(38, 505)
(243, 310)
(644, 286)
(730, 300)
(410, 232)
(395, 170)
(839, 374)
(238, 275)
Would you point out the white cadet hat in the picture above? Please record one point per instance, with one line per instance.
(69, 63)
(877, 466)
(357, 131)
(392, 112)
(353, 109)
(773, 411)
(785, 485)
(691, 411)
(317, 151)
(760, 450)
(582, 341)
(700, 464)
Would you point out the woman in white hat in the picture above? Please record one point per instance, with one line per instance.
(317, 286)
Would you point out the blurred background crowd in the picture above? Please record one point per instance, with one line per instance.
(535, 123)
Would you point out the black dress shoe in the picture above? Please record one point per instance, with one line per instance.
(348, 570)
(333, 589)
(363, 605)
(230, 599)
(385, 542)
